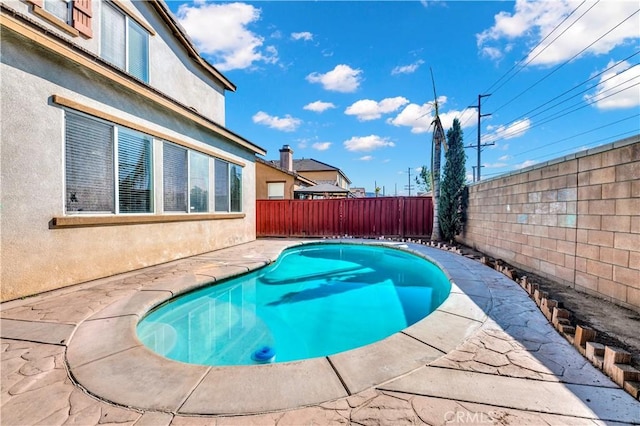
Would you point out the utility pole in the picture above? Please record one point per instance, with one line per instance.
(479, 146)
(409, 186)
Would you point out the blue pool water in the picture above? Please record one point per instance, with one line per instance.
(316, 300)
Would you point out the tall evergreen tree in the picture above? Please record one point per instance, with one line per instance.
(450, 209)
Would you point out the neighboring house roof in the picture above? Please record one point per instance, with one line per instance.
(280, 169)
(182, 36)
(311, 165)
(323, 188)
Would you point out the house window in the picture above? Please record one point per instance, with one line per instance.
(59, 8)
(175, 177)
(275, 190)
(134, 172)
(235, 188)
(228, 187)
(99, 154)
(222, 186)
(124, 43)
(198, 182)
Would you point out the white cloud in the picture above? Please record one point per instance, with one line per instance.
(407, 69)
(342, 78)
(495, 165)
(618, 87)
(318, 106)
(285, 124)
(420, 117)
(366, 158)
(526, 163)
(506, 157)
(367, 109)
(513, 130)
(221, 31)
(321, 146)
(367, 143)
(306, 36)
(534, 20)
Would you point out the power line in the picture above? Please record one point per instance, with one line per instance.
(550, 43)
(531, 51)
(576, 107)
(578, 134)
(579, 85)
(572, 148)
(566, 62)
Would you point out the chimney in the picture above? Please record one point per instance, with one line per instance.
(286, 158)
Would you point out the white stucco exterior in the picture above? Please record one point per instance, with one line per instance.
(36, 71)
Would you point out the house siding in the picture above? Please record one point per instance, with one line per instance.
(268, 174)
(36, 258)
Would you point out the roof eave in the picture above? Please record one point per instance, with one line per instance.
(180, 34)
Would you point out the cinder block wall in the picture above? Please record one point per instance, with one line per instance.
(575, 220)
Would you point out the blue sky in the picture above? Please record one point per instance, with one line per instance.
(348, 82)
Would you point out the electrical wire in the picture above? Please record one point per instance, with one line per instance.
(566, 62)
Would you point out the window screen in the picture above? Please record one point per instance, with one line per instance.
(58, 8)
(235, 188)
(134, 172)
(138, 51)
(175, 178)
(222, 185)
(275, 190)
(113, 35)
(89, 165)
(199, 182)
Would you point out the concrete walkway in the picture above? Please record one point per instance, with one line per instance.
(486, 356)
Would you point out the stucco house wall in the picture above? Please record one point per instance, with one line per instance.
(575, 220)
(39, 86)
(265, 175)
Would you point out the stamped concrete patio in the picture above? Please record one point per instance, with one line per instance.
(486, 356)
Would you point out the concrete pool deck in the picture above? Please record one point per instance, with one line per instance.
(487, 355)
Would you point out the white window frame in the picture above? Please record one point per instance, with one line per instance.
(128, 20)
(275, 197)
(116, 172)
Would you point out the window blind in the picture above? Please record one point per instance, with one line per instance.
(112, 40)
(89, 165)
(175, 175)
(199, 182)
(222, 186)
(58, 8)
(275, 190)
(235, 188)
(138, 51)
(134, 172)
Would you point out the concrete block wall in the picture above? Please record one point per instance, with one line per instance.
(575, 220)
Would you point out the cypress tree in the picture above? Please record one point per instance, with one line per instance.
(450, 208)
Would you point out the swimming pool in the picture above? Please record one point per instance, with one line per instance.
(315, 300)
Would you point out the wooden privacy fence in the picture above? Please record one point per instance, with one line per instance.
(357, 217)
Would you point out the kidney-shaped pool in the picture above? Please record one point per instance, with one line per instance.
(315, 300)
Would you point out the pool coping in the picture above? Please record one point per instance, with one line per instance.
(105, 357)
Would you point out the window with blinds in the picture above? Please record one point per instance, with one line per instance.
(124, 42)
(89, 163)
(110, 169)
(174, 177)
(198, 182)
(134, 172)
(59, 8)
(235, 188)
(221, 186)
(275, 190)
